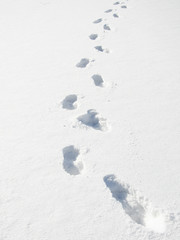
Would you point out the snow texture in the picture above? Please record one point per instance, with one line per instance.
(61, 95)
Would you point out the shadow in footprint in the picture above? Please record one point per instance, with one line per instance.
(123, 6)
(138, 208)
(94, 120)
(106, 27)
(108, 11)
(83, 63)
(116, 3)
(70, 102)
(93, 36)
(115, 15)
(71, 163)
(98, 80)
(100, 49)
(98, 21)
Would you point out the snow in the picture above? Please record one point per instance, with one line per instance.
(90, 113)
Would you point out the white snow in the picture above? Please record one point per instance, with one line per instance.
(89, 140)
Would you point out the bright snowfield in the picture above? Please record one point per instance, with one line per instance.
(90, 120)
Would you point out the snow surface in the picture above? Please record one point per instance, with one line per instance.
(89, 127)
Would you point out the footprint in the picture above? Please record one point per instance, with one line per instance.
(98, 21)
(123, 6)
(100, 49)
(137, 207)
(108, 11)
(94, 120)
(93, 36)
(72, 163)
(70, 102)
(106, 27)
(116, 3)
(115, 15)
(83, 63)
(98, 80)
